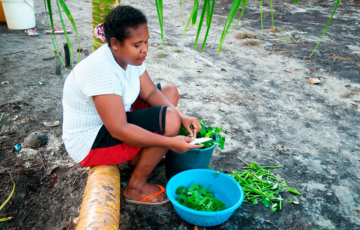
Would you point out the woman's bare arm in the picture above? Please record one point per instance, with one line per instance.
(111, 110)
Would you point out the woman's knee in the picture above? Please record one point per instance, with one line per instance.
(171, 92)
(172, 122)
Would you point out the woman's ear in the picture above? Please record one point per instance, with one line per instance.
(114, 43)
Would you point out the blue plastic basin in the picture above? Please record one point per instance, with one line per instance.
(225, 189)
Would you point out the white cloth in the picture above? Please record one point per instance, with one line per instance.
(98, 74)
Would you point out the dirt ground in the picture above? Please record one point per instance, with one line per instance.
(257, 89)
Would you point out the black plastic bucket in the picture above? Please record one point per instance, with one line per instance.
(192, 159)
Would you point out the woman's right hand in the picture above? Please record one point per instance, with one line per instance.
(181, 144)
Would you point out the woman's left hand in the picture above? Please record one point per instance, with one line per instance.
(188, 121)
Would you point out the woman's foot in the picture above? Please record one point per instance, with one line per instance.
(137, 193)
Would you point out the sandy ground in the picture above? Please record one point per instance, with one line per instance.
(259, 94)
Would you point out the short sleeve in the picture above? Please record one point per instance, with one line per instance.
(105, 83)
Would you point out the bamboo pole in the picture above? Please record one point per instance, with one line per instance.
(100, 208)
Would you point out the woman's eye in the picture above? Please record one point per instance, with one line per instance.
(137, 46)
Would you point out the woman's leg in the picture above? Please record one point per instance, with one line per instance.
(171, 92)
(138, 187)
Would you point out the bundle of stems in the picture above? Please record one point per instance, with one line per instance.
(260, 184)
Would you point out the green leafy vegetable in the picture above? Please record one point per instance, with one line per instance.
(211, 132)
(259, 184)
(199, 198)
(293, 191)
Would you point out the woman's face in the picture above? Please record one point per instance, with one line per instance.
(134, 49)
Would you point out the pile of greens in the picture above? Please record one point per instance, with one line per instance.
(259, 184)
(207, 131)
(199, 198)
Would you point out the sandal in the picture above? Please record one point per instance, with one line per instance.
(146, 199)
(58, 30)
(31, 33)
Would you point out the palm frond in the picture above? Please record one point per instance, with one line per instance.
(242, 12)
(272, 15)
(159, 9)
(326, 27)
(60, 4)
(208, 16)
(196, 3)
(203, 12)
(232, 13)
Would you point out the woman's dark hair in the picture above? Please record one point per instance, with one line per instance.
(119, 20)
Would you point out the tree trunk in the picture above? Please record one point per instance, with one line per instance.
(100, 8)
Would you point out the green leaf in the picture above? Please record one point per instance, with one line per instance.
(199, 198)
(255, 202)
(194, 18)
(193, 186)
(5, 219)
(242, 12)
(274, 207)
(65, 33)
(221, 142)
(206, 2)
(71, 19)
(265, 200)
(232, 13)
(181, 190)
(326, 27)
(159, 10)
(293, 191)
(202, 132)
(296, 1)
(294, 202)
(12, 192)
(217, 173)
(254, 166)
(272, 15)
(181, 10)
(218, 130)
(208, 20)
(196, 3)
(210, 134)
(48, 11)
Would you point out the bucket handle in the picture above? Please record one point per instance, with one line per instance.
(30, 6)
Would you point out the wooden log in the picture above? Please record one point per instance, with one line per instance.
(100, 208)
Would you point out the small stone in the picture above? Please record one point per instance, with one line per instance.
(35, 139)
(314, 80)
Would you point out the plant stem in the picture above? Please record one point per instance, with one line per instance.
(264, 167)
(244, 162)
